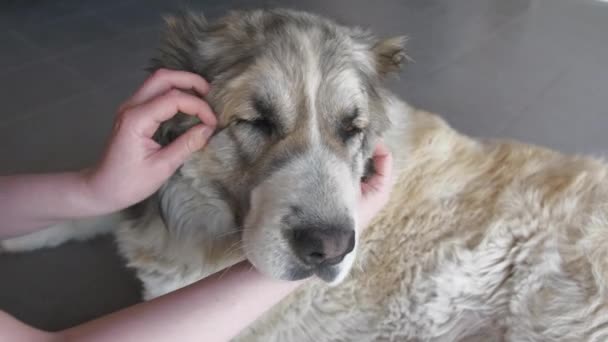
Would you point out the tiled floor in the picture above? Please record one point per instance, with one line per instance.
(534, 70)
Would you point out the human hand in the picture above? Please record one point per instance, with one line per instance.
(134, 166)
(376, 190)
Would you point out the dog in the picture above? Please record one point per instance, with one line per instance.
(300, 107)
(481, 241)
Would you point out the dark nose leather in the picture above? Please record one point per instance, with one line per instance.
(323, 246)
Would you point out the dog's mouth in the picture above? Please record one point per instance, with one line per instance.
(327, 273)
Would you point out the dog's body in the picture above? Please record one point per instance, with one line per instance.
(480, 241)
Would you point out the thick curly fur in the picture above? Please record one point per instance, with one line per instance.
(494, 241)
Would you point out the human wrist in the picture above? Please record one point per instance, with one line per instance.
(86, 196)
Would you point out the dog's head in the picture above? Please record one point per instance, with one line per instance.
(300, 106)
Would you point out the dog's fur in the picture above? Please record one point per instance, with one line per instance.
(484, 241)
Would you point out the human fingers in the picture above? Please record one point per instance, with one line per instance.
(147, 118)
(177, 152)
(163, 80)
(383, 165)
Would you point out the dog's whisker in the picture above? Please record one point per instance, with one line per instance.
(225, 271)
(236, 247)
(237, 231)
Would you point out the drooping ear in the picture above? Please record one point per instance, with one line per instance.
(178, 51)
(190, 43)
(390, 55)
(178, 45)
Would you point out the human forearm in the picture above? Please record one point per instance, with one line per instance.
(12, 329)
(213, 309)
(133, 165)
(33, 201)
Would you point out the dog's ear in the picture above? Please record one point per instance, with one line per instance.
(179, 40)
(192, 44)
(390, 55)
(178, 51)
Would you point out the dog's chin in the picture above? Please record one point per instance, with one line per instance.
(332, 275)
(292, 270)
(328, 274)
(335, 275)
(298, 273)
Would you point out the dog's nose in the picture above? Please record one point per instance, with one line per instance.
(323, 246)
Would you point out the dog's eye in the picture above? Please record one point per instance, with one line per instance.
(349, 131)
(266, 120)
(259, 124)
(263, 125)
(351, 126)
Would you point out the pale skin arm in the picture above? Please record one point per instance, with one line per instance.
(213, 309)
(132, 168)
(216, 308)
(219, 307)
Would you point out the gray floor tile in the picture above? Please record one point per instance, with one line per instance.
(64, 136)
(17, 13)
(140, 14)
(57, 288)
(570, 116)
(120, 89)
(89, 6)
(36, 86)
(68, 33)
(111, 59)
(16, 51)
(484, 89)
(450, 29)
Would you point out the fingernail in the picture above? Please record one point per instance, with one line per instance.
(206, 131)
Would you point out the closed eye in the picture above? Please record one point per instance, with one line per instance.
(265, 122)
(349, 132)
(351, 126)
(259, 124)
